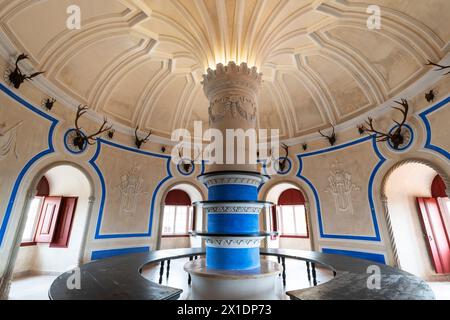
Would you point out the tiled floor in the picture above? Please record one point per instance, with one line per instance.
(36, 287)
(31, 288)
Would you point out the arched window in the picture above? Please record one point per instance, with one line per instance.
(291, 220)
(178, 216)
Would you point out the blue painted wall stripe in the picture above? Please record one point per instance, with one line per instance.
(103, 187)
(33, 160)
(423, 115)
(375, 257)
(103, 254)
(377, 236)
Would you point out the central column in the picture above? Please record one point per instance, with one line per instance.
(233, 268)
(232, 207)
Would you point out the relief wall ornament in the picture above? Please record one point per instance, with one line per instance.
(131, 189)
(8, 140)
(234, 105)
(341, 188)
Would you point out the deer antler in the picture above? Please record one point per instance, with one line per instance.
(102, 129)
(441, 67)
(380, 136)
(404, 103)
(396, 137)
(140, 141)
(34, 75)
(21, 57)
(80, 112)
(331, 138)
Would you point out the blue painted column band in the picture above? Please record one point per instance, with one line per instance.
(232, 258)
(233, 223)
(232, 192)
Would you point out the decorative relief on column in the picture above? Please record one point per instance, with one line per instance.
(131, 189)
(233, 105)
(341, 188)
(8, 138)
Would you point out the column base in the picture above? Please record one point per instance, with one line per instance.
(212, 284)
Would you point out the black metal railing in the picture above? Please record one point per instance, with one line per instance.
(310, 268)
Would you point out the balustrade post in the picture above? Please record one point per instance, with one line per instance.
(161, 272)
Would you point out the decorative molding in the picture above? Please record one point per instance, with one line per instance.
(237, 209)
(233, 242)
(233, 105)
(248, 180)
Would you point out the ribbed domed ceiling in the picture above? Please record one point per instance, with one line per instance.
(140, 61)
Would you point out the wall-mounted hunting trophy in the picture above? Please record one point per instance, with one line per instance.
(48, 103)
(80, 139)
(138, 141)
(16, 77)
(397, 136)
(331, 137)
(439, 67)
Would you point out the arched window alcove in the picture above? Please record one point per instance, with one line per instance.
(179, 216)
(289, 217)
(419, 213)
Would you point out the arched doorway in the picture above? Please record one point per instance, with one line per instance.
(179, 216)
(419, 214)
(289, 217)
(54, 230)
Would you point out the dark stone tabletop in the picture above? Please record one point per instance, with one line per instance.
(119, 278)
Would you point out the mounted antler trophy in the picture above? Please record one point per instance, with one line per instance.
(430, 96)
(283, 161)
(16, 76)
(397, 136)
(440, 67)
(80, 139)
(305, 147)
(138, 141)
(48, 103)
(185, 163)
(331, 138)
(361, 129)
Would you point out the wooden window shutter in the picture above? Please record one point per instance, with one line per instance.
(48, 219)
(64, 223)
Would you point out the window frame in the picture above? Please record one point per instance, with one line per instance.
(279, 213)
(189, 223)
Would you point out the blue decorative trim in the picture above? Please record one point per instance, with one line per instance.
(33, 160)
(300, 157)
(286, 171)
(103, 254)
(103, 186)
(408, 145)
(423, 115)
(78, 152)
(375, 257)
(186, 173)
